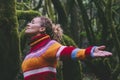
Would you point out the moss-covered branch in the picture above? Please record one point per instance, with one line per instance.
(27, 15)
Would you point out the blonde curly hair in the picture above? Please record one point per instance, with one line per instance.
(54, 30)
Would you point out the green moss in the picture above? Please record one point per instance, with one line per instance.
(66, 40)
(9, 43)
(27, 15)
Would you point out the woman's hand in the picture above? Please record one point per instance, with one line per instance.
(99, 52)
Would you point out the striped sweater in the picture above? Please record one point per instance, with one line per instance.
(40, 63)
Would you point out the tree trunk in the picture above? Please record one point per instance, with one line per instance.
(86, 23)
(116, 40)
(62, 16)
(9, 41)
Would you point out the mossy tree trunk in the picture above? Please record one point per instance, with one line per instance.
(116, 40)
(9, 41)
(62, 16)
(87, 23)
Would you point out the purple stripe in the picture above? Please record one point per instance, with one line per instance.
(41, 51)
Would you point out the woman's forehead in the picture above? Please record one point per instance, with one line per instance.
(37, 19)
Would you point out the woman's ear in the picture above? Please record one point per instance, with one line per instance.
(42, 29)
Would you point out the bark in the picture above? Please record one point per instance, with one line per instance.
(9, 41)
(87, 24)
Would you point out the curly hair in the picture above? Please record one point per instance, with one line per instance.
(54, 30)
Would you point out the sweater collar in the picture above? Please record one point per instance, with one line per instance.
(39, 41)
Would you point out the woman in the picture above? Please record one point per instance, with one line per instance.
(40, 63)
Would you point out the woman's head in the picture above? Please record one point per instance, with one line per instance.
(43, 25)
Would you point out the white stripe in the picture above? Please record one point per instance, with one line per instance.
(59, 51)
(40, 70)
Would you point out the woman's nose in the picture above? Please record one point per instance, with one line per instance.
(28, 24)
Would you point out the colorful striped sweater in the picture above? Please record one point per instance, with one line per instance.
(40, 63)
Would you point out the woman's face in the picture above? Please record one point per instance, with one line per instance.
(33, 27)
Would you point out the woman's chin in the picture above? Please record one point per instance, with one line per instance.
(28, 34)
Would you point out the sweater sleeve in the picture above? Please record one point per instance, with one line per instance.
(70, 52)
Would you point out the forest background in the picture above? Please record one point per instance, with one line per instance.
(85, 23)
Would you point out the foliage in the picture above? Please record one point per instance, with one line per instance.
(66, 40)
(27, 15)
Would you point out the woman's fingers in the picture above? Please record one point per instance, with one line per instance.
(101, 47)
(102, 54)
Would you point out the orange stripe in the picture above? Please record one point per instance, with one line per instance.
(39, 40)
(81, 54)
(52, 50)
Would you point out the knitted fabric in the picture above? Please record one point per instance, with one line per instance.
(40, 63)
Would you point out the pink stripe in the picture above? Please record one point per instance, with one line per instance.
(40, 52)
(42, 76)
(40, 70)
(59, 51)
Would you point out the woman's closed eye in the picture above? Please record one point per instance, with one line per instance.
(32, 21)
